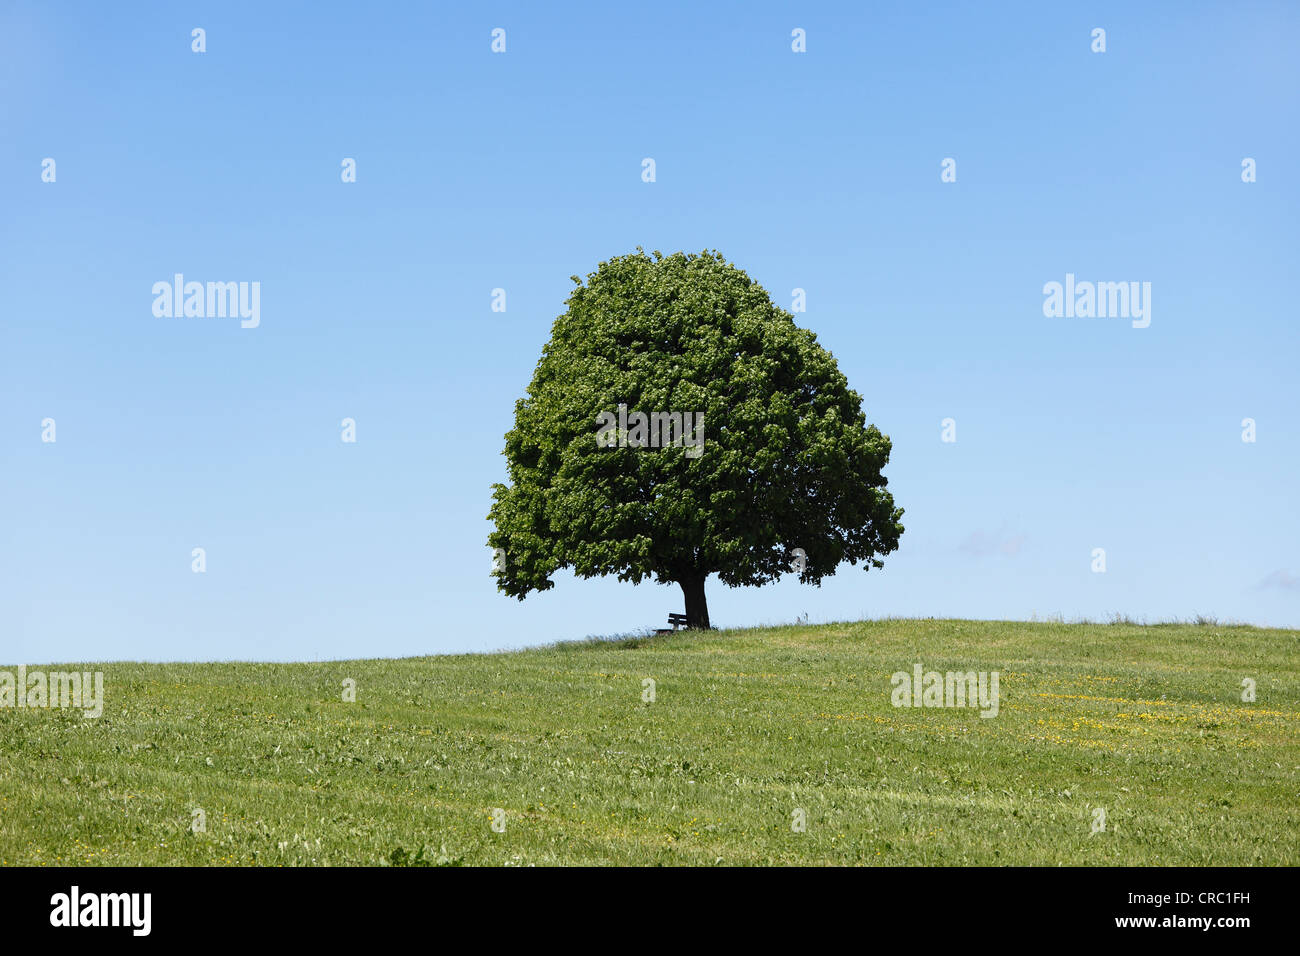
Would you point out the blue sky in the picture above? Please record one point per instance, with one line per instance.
(477, 171)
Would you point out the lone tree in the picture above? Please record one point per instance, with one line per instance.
(787, 476)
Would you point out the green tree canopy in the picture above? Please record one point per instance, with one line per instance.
(787, 462)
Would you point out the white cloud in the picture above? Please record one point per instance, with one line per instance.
(1281, 579)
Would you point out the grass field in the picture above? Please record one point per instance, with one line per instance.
(1146, 723)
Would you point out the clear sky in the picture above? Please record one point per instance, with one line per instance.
(478, 170)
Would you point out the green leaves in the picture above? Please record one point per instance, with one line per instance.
(788, 458)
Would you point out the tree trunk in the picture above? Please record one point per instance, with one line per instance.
(697, 608)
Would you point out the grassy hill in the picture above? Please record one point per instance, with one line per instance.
(1146, 723)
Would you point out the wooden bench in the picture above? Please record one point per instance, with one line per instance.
(676, 620)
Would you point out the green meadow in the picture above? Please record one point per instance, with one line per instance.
(749, 732)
